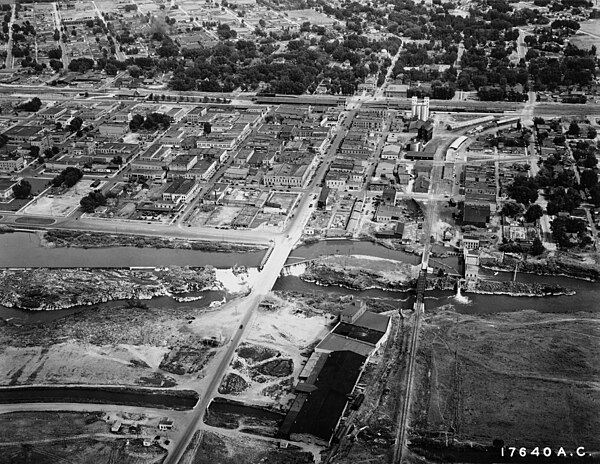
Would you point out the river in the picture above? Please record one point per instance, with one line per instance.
(23, 316)
(586, 298)
(23, 249)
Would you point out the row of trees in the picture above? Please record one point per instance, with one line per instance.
(151, 122)
(67, 178)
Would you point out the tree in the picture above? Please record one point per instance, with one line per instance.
(111, 69)
(537, 247)
(523, 190)
(207, 128)
(55, 53)
(32, 105)
(533, 213)
(22, 190)
(574, 129)
(69, 177)
(34, 151)
(512, 209)
(134, 71)
(117, 160)
(589, 178)
(75, 124)
(136, 122)
(91, 201)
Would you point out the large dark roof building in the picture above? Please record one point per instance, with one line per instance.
(324, 404)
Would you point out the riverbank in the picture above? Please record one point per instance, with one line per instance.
(80, 239)
(49, 289)
(361, 273)
(559, 265)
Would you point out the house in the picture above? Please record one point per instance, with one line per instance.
(6, 190)
(116, 427)
(165, 424)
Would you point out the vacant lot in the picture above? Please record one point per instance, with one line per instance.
(526, 378)
(264, 367)
(63, 204)
(223, 215)
(84, 451)
(213, 448)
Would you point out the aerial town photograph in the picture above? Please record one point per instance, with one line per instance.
(299, 231)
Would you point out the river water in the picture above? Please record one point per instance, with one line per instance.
(587, 295)
(23, 249)
(22, 316)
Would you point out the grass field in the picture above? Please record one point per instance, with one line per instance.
(527, 378)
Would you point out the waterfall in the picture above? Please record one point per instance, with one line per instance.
(459, 298)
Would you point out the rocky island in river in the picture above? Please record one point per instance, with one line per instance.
(47, 289)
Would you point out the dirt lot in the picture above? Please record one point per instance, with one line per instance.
(213, 448)
(263, 369)
(63, 204)
(527, 378)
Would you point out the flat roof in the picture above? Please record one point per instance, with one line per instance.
(334, 342)
(362, 334)
(373, 321)
(322, 411)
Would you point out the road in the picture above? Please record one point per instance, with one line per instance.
(61, 43)
(9, 55)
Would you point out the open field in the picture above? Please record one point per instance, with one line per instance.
(73, 437)
(214, 448)
(316, 18)
(84, 451)
(527, 378)
(117, 345)
(63, 204)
